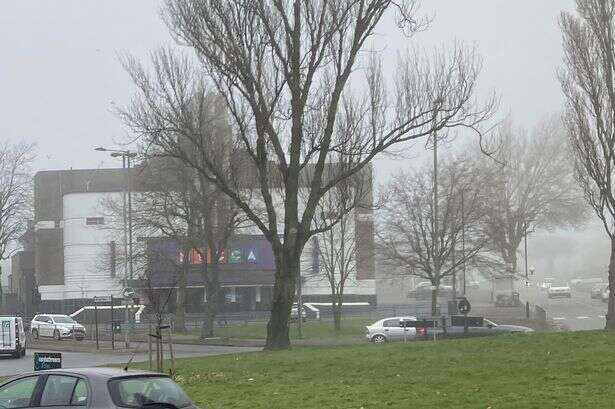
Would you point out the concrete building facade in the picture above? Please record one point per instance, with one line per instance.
(74, 246)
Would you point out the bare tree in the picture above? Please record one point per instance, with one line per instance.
(530, 185)
(587, 83)
(283, 71)
(179, 205)
(406, 233)
(336, 246)
(15, 196)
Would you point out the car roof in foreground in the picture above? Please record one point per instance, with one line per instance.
(95, 373)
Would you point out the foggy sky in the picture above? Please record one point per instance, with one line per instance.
(60, 75)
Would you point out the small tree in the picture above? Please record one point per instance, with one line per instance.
(407, 237)
(336, 247)
(179, 205)
(589, 88)
(15, 197)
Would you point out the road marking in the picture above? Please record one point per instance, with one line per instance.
(559, 318)
(582, 318)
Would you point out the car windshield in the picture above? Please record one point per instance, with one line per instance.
(64, 320)
(140, 391)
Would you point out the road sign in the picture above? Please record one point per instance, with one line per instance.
(103, 298)
(464, 306)
(128, 292)
(47, 360)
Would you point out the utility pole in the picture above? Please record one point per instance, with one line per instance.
(436, 255)
(463, 240)
(126, 155)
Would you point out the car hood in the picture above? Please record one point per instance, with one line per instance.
(79, 326)
(514, 328)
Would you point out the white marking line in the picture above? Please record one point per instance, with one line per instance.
(582, 318)
(559, 318)
(601, 316)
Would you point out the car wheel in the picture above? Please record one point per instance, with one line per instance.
(379, 339)
(35, 334)
(56, 335)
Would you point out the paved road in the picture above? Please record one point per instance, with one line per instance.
(576, 314)
(9, 366)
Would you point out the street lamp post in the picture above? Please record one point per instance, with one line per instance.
(436, 258)
(126, 155)
(525, 252)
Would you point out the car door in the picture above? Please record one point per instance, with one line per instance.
(408, 326)
(46, 326)
(41, 325)
(64, 391)
(20, 393)
(36, 324)
(393, 330)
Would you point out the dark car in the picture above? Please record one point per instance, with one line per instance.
(477, 327)
(93, 388)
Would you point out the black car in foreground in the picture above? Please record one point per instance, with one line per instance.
(93, 388)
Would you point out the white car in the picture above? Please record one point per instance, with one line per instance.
(294, 313)
(56, 326)
(547, 283)
(559, 291)
(12, 337)
(391, 329)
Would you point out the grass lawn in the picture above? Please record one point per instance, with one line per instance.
(549, 370)
(352, 328)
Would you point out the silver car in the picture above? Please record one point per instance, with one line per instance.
(56, 326)
(391, 329)
(93, 388)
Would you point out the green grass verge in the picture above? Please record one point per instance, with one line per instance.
(549, 370)
(312, 329)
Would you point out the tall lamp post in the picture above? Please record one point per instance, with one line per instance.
(436, 258)
(525, 252)
(126, 156)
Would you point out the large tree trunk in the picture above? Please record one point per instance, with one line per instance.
(180, 305)
(212, 305)
(434, 301)
(287, 270)
(610, 321)
(337, 312)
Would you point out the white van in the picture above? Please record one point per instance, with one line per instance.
(12, 337)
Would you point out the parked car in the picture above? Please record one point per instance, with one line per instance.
(597, 289)
(555, 291)
(423, 286)
(546, 283)
(424, 292)
(605, 294)
(93, 388)
(506, 298)
(391, 329)
(473, 284)
(56, 326)
(477, 326)
(294, 313)
(12, 337)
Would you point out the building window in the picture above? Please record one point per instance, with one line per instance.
(93, 221)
